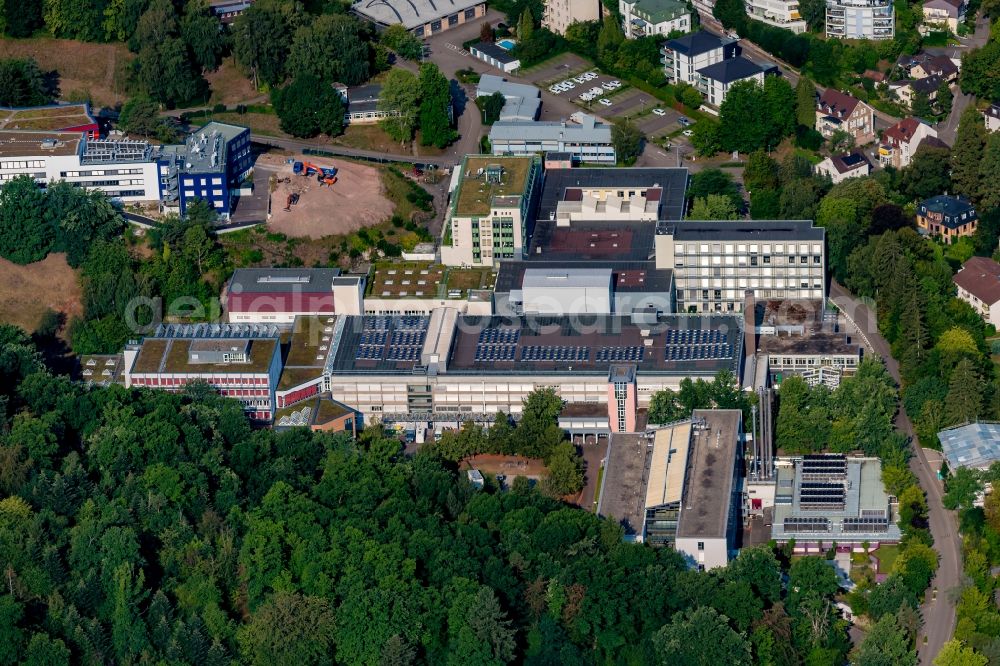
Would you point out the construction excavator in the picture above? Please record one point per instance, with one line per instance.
(324, 175)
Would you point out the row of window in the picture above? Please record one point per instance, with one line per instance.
(29, 164)
(108, 183)
(215, 381)
(752, 248)
(101, 172)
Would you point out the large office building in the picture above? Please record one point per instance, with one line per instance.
(688, 480)
(279, 295)
(823, 500)
(588, 140)
(210, 164)
(239, 361)
(492, 199)
(860, 19)
(715, 263)
(421, 17)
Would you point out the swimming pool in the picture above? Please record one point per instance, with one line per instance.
(506, 44)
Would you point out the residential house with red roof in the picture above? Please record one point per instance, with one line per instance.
(836, 110)
(978, 285)
(900, 142)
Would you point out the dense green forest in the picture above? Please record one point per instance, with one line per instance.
(148, 527)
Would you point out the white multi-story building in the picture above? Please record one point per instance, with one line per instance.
(860, 19)
(123, 170)
(779, 13)
(491, 198)
(644, 18)
(992, 116)
(716, 263)
(710, 63)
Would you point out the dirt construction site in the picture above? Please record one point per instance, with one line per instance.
(355, 200)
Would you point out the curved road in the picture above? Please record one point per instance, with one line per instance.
(938, 609)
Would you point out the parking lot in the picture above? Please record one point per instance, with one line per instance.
(557, 69)
(654, 126)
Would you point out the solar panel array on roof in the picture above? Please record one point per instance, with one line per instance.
(821, 495)
(499, 336)
(554, 353)
(615, 354)
(806, 524)
(698, 353)
(866, 524)
(824, 465)
(391, 338)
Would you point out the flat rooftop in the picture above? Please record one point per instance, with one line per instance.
(170, 355)
(627, 276)
(592, 241)
(282, 280)
(475, 194)
(39, 144)
(583, 344)
(742, 230)
(814, 343)
(416, 279)
(623, 496)
(668, 464)
(824, 505)
(46, 118)
(672, 182)
(307, 346)
(711, 461)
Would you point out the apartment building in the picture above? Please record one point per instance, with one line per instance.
(559, 14)
(978, 284)
(492, 199)
(710, 63)
(945, 13)
(860, 19)
(585, 141)
(684, 56)
(645, 18)
(836, 110)
(716, 263)
(779, 13)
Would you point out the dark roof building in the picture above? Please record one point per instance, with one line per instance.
(742, 230)
(733, 69)
(855, 161)
(699, 42)
(836, 104)
(954, 210)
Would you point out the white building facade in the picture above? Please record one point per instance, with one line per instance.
(860, 19)
(779, 13)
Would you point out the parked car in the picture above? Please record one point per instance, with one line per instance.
(605, 101)
(659, 112)
(688, 132)
(683, 121)
(569, 85)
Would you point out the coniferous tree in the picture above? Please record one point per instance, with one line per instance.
(967, 153)
(989, 173)
(965, 393)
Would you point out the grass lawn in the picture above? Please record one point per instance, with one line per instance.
(600, 480)
(886, 557)
(373, 137)
(85, 70)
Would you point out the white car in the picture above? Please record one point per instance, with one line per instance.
(555, 90)
(607, 85)
(579, 79)
(616, 83)
(597, 91)
(659, 112)
(569, 85)
(590, 76)
(605, 101)
(688, 132)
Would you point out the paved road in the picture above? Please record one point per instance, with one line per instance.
(938, 609)
(949, 128)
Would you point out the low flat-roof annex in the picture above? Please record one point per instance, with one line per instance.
(708, 488)
(23, 143)
(475, 195)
